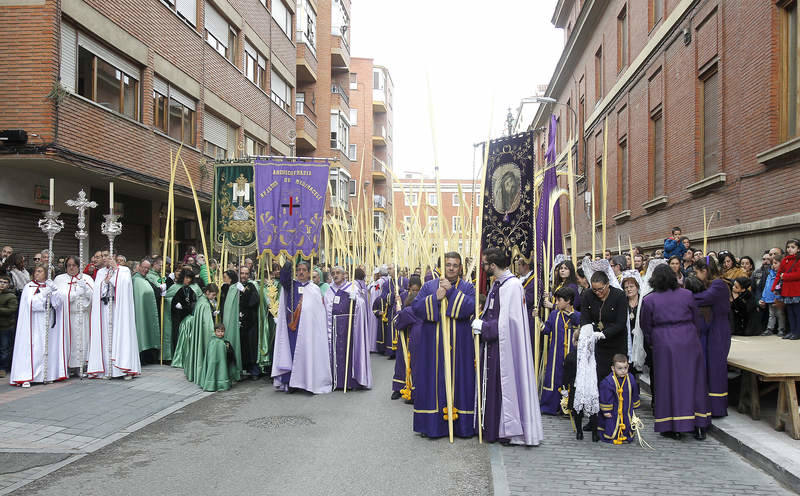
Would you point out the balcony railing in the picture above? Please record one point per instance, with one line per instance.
(379, 131)
(336, 89)
(378, 166)
(340, 32)
(379, 96)
(378, 201)
(301, 108)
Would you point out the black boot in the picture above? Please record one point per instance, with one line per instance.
(700, 434)
(595, 434)
(578, 418)
(395, 395)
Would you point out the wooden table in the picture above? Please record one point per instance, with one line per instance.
(774, 360)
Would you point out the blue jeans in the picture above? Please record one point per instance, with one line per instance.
(6, 335)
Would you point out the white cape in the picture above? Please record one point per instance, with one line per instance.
(311, 366)
(28, 360)
(79, 297)
(123, 357)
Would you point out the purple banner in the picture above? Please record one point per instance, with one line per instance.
(290, 205)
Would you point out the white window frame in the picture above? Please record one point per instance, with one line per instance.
(432, 199)
(410, 199)
(280, 91)
(353, 117)
(433, 223)
(456, 223)
(282, 16)
(456, 200)
(352, 152)
(354, 81)
(407, 223)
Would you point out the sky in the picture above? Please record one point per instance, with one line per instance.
(473, 52)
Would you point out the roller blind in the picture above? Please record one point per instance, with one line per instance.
(187, 9)
(182, 98)
(109, 56)
(215, 130)
(216, 25)
(69, 56)
(160, 86)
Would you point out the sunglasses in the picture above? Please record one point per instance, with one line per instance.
(36, 259)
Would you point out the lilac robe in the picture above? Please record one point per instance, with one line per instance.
(512, 407)
(385, 303)
(372, 292)
(609, 403)
(559, 327)
(430, 394)
(340, 303)
(669, 321)
(718, 344)
(411, 327)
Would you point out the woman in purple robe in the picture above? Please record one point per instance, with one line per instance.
(344, 311)
(669, 321)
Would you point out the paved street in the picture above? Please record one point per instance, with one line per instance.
(115, 438)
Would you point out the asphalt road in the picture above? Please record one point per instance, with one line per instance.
(255, 441)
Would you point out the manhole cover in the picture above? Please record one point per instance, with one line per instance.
(278, 421)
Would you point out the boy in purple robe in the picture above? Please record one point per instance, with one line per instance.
(406, 324)
(560, 326)
(349, 355)
(511, 413)
(384, 309)
(619, 396)
(430, 398)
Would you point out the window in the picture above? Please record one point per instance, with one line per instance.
(711, 123)
(598, 189)
(254, 147)
(410, 199)
(353, 81)
(456, 224)
(598, 75)
(255, 66)
(622, 39)
(186, 9)
(217, 135)
(433, 224)
(378, 219)
(353, 117)
(407, 223)
(352, 153)
(656, 12)
(174, 112)
(340, 132)
(456, 200)
(340, 19)
(657, 155)
(352, 187)
(219, 34)
(104, 83)
(432, 199)
(282, 16)
(300, 102)
(622, 167)
(306, 24)
(281, 91)
(378, 80)
(789, 80)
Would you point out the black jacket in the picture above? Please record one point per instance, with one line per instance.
(614, 321)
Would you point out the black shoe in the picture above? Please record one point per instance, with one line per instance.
(579, 435)
(793, 337)
(786, 335)
(767, 333)
(587, 426)
(672, 435)
(395, 395)
(700, 434)
(595, 436)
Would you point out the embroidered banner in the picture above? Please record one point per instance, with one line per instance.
(290, 205)
(234, 208)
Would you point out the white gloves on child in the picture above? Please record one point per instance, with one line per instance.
(477, 326)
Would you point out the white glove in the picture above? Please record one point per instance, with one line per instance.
(216, 312)
(564, 393)
(352, 295)
(598, 336)
(179, 306)
(172, 276)
(477, 325)
(163, 286)
(240, 287)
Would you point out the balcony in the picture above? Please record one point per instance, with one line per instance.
(306, 128)
(340, 50)
(340, 99)
(379, 202)
(379, 101)
(379, 135)
(379, 171)
(307, 63)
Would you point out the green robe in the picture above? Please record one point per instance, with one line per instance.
(196, 331)
(167, 349)
(266, 328)
(184, 330)
(146, 312)
(154, 278)
(216, 373)
(230, 318)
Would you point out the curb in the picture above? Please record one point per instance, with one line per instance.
(499, 480)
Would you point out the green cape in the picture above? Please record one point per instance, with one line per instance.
(194, 339)
(230, 318)
(167, 348)
(154, 278)
(266, 328)
(216, 373)
(144, 305)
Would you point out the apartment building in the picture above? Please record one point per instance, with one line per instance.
(106, 91)
(700, 101)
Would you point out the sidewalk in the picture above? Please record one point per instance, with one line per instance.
(48, 426)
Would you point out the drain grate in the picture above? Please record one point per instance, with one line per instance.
(279, 421)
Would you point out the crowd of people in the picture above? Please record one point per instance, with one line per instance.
(605, 324)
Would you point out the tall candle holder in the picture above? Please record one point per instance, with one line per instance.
(50, 225)
(111, 228)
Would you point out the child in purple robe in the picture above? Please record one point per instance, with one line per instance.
(619, 396)
(405, 323)
(560, 326)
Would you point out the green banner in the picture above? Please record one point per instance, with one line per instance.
(234, 208)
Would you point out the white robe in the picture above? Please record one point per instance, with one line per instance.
(28, 360)
(79, 296)
(123, 357)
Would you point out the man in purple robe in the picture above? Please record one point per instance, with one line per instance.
(562, 323)
(302, 357)
(384, 308)
(511, 413)
(346, 328)
(526, 277)
(369, 317)
(375, 333)
(430, 398)
(405, 323)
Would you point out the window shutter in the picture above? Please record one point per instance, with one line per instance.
(69, 56)
(187, 9)
(215, 131)
(109, 56)
(182, 98)
(216, 25)
(262, 62)
(160, 86)
(248, 48)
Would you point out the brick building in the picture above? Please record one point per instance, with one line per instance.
(106, 90)
(700, 101)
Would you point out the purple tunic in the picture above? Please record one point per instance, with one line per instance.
(669, 321)
(609, 403)
(718, 344)
(430, 396)
(411, 325)
(385, 303)
(494, 390)
(290, 287)
(340, 308)
(559, 327)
